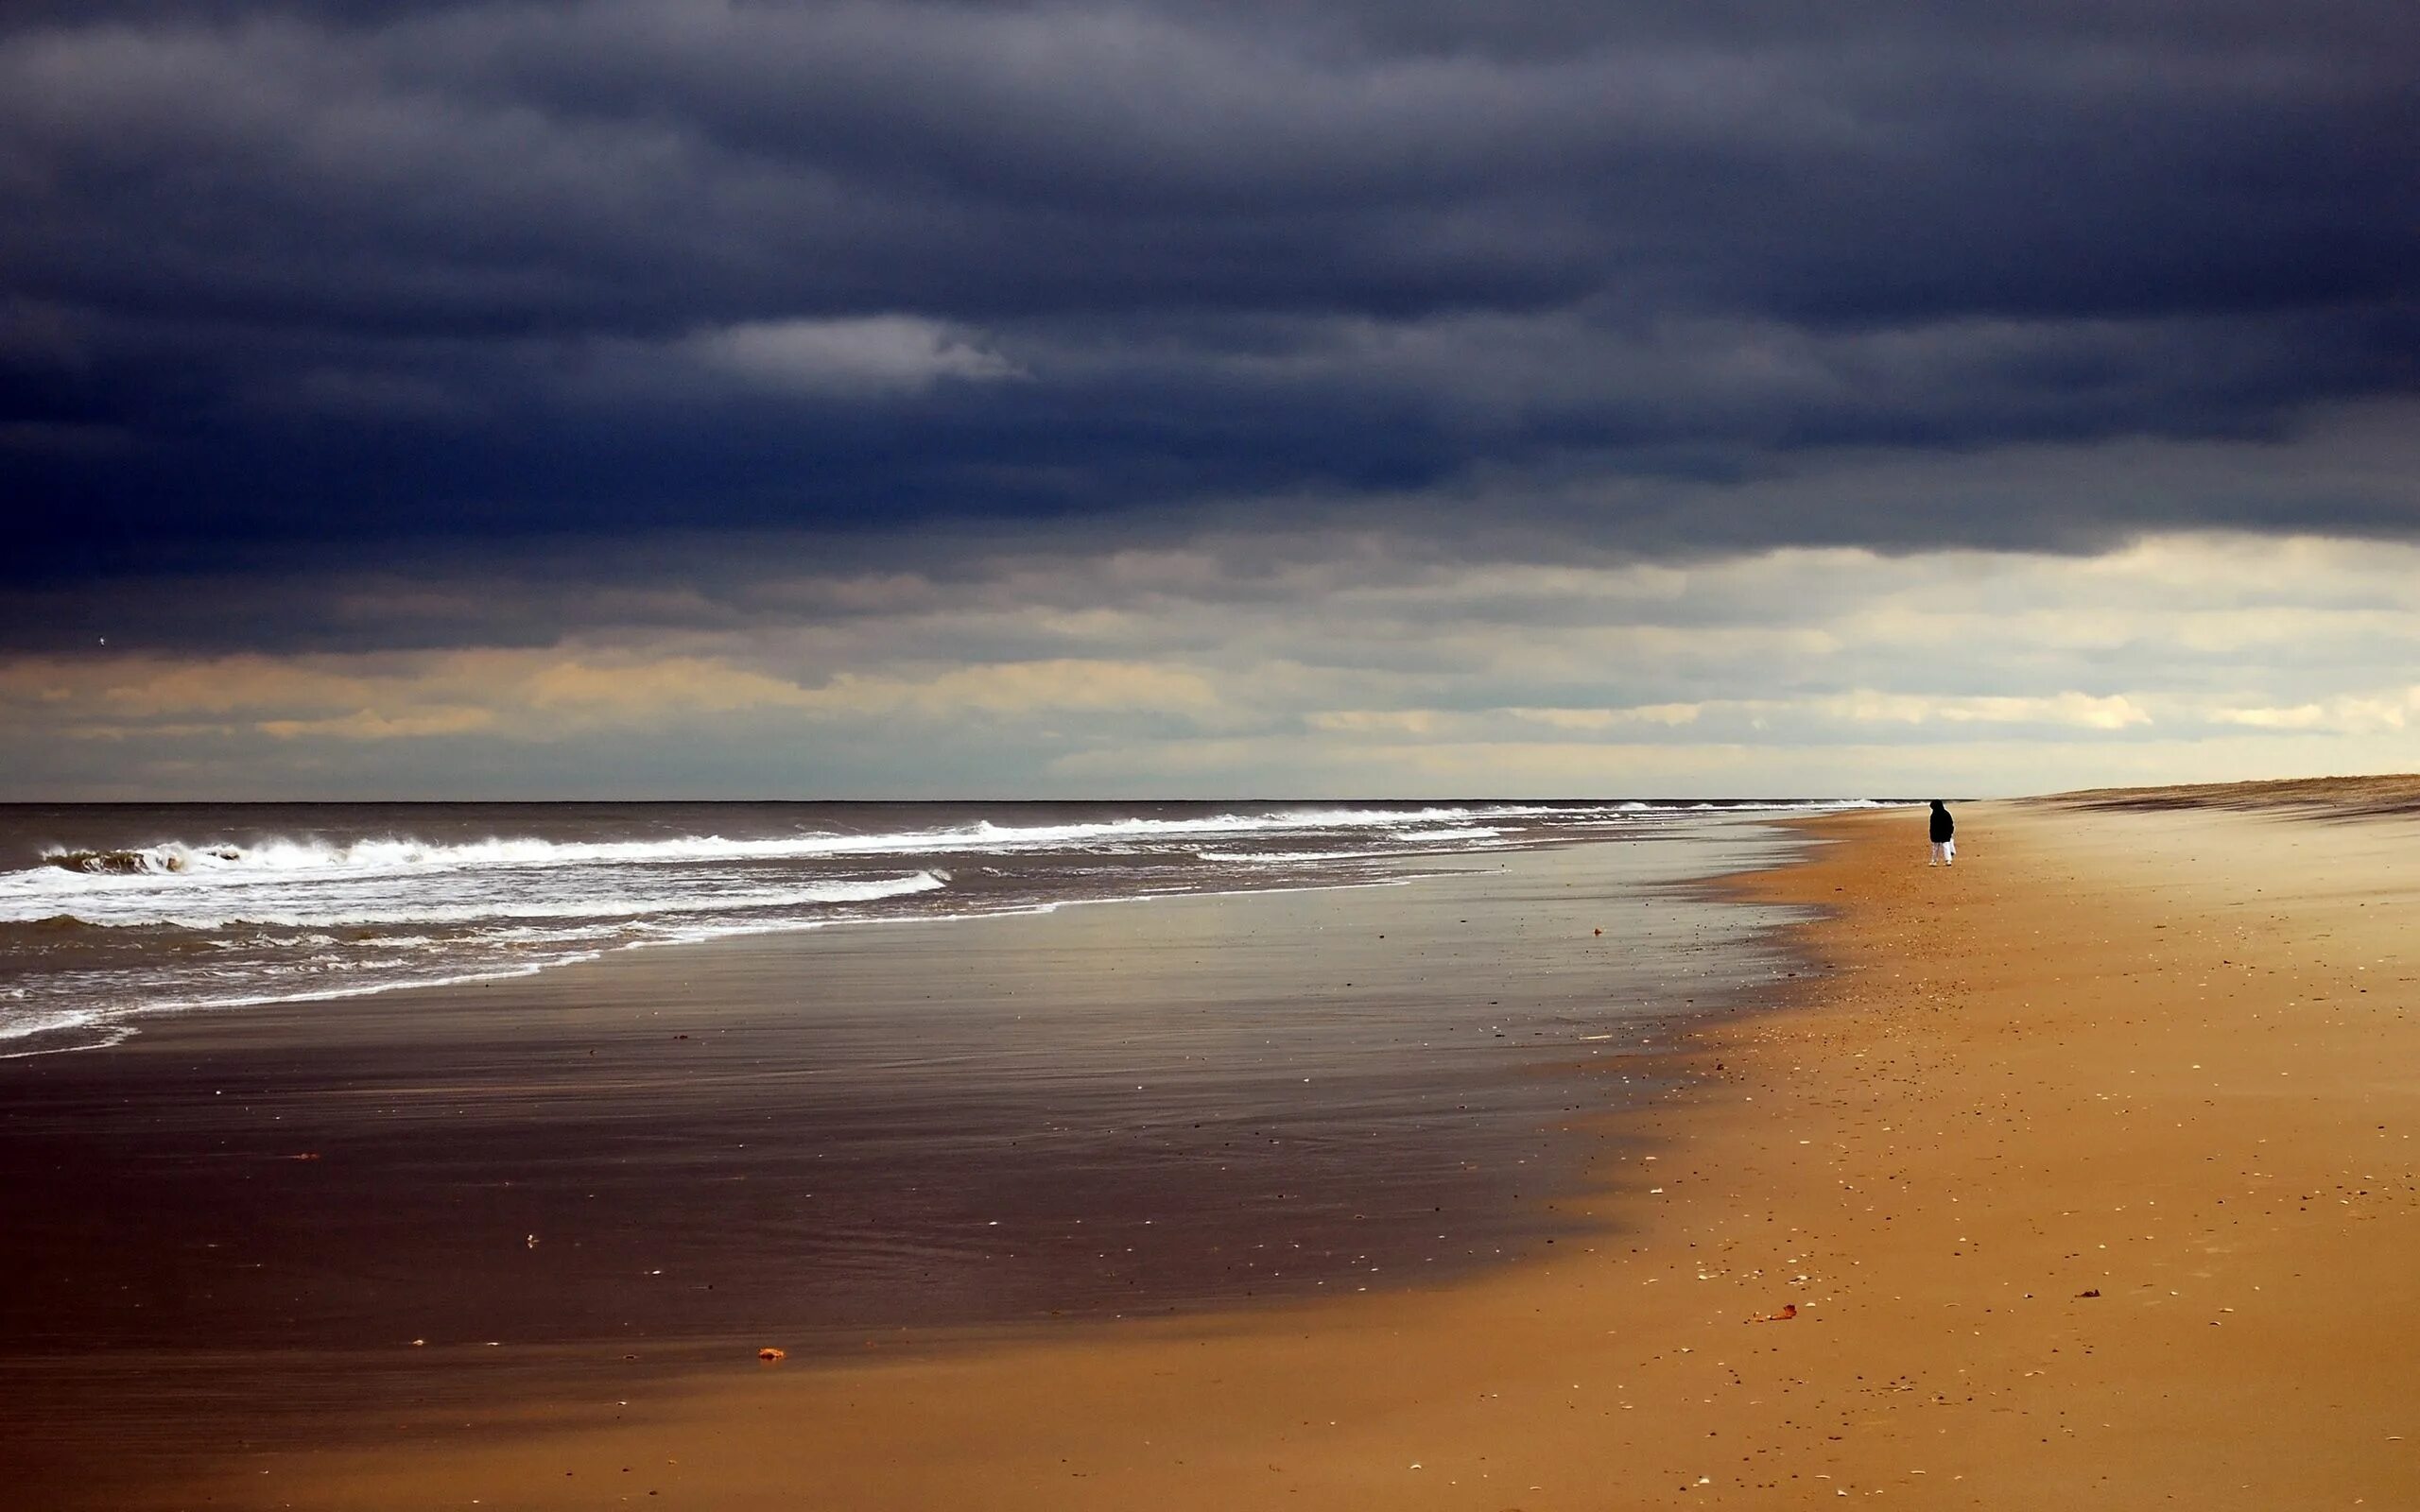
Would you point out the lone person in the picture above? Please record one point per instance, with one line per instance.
(1945, 838)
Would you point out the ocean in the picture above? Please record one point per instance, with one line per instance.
(113, 915)
(408, 1102)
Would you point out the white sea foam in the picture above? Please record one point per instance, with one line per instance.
(222, 859)
(1281, 858)
(296, 918)
(356, 905)
(89, 1031)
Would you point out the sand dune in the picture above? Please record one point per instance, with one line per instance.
(2398, 794)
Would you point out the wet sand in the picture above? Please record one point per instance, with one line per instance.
(226, 1234)
(2086, 1177)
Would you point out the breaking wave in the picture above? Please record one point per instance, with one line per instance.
(348, 899)
(174, 858)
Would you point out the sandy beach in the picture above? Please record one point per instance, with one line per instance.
(2081, 1175)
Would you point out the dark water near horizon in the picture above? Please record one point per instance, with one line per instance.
(113, 914)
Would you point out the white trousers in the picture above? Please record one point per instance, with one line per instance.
(1944, 854)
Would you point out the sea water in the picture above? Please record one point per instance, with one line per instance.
(110, 913)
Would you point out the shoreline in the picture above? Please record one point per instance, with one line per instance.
(106, 1028)
(125, 1024)
(301, 1192)
(2082, 1175)
(2053, 1197)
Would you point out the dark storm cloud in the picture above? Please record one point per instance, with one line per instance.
(283, 278)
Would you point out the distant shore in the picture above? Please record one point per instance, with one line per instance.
(2085, 1175)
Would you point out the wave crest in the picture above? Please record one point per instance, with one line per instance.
(169, 860)
(177, 858)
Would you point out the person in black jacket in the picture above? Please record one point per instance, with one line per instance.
(1945, 838)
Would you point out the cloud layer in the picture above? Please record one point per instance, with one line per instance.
(897, 395)
(1295, 667)
(284, 275)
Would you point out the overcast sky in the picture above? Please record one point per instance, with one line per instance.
(660, 397)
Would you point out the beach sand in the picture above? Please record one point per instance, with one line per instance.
(2084, 1177)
